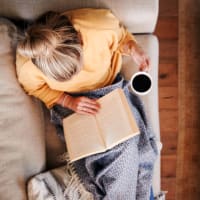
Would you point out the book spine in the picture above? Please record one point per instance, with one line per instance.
(100, 132)
(131, 117)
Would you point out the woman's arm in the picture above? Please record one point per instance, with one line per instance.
(138, 55)
(128, 46)
(50, 97)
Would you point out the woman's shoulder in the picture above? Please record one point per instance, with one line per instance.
(93, 18)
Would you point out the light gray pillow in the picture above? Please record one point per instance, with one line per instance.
(22, 143)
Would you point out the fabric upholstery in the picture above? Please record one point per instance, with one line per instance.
(22, 147)
(55, 148)
(139, 16)
(150, 44)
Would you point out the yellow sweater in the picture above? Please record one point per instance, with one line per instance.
(103, 39)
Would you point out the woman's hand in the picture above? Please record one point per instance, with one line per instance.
(81, 105)
(138, 55)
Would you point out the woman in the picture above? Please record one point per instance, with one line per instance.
(62, 45)
(63, 60)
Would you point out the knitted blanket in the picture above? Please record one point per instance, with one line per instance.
(124, 172)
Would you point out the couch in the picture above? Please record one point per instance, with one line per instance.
(28, 141)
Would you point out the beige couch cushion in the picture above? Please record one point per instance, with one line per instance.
(140, 16)
(150, 44)
(22, 148)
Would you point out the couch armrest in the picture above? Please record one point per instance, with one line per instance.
(140, 16)
(151, 46)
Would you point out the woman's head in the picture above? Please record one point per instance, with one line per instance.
(54, 46)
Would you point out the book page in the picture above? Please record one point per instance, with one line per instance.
(82, 136)
(116, 120)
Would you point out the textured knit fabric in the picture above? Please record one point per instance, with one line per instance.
(124, 172)
(103, 39)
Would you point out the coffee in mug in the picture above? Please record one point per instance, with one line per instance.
(141, 83)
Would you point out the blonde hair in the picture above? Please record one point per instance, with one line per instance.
(54, 46)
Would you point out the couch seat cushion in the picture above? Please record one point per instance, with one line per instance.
(22, 147)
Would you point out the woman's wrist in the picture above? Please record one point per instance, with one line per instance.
(130, 47)
(63, 100)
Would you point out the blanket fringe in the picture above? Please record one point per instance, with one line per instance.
(74, 189)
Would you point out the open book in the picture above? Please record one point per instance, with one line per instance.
(90, 134)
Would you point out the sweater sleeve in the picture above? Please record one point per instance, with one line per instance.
(47, 95)
(33, 83)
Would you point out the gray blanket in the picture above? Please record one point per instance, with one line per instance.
(124, 172)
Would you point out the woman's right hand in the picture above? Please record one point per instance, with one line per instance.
(81, 105)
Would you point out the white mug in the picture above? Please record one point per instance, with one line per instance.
(141, 83)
